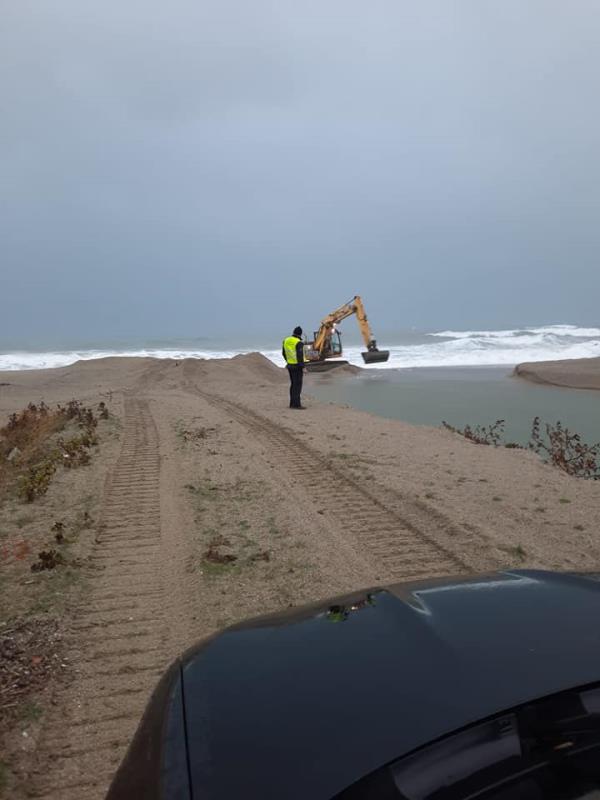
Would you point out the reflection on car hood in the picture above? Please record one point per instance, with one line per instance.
(301, 705)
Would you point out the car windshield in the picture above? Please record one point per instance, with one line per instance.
(548, 749)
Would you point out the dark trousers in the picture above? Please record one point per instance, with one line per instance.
(296, 371)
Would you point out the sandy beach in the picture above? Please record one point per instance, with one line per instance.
(572, 373)
(206, 501)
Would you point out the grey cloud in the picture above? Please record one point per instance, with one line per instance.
(166, 167)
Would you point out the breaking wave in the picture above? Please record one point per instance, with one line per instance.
(503, 347)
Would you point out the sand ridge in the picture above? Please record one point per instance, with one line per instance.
(573, 373)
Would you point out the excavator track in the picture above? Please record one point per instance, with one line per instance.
(398, 537)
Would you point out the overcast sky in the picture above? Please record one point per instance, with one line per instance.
(194, 168)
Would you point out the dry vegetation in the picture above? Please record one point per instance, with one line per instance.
(558, 445)
(31, 448)
(38, 570)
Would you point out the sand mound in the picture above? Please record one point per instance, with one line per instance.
(241, 370)
(259, 364)
(148, 372)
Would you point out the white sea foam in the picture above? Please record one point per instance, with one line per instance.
(549, 330)
(489, 348)
(443, 348)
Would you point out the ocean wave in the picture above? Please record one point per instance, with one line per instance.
(512, 333)
(502, 347)
(443, 348)
(475, 356)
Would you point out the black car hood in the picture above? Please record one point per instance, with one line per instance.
(301, 705)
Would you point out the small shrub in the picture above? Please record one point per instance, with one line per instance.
(47, 559)
(263, 555)
(566, 450)
(480, 434)
(36, 480)
(32, 433)
(519, 551)
(558, 445)
(213, 555)
(74, 451)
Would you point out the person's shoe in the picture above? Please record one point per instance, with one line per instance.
(298, 408)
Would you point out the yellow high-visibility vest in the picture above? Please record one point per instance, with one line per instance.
(289, 348)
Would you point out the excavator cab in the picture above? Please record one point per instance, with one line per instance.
(333, 345)
(317, 360)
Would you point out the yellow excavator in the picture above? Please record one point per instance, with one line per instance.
(327, 341)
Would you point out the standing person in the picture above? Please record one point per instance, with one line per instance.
(293, 352)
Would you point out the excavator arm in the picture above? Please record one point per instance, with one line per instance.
(328, 323)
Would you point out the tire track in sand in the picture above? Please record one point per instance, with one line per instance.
(116, 647)
(401, 537)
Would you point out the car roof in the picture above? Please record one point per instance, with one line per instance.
(303, 704)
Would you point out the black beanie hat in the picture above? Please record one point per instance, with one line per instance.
(298, 331)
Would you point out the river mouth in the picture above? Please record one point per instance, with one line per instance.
(462, 396)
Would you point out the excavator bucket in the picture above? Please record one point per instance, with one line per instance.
(375, 356)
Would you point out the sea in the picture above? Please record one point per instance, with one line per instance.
(463, 377)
